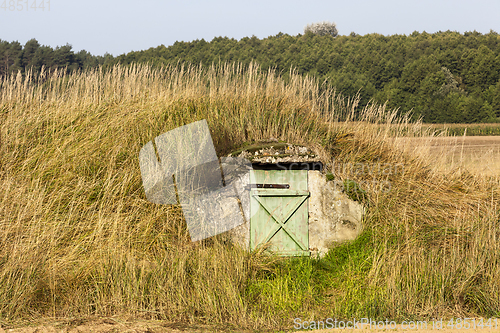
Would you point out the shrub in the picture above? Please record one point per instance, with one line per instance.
(324, 28)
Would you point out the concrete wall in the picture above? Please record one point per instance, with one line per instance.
(333, 217)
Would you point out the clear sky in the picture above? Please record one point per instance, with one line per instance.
(121, 26)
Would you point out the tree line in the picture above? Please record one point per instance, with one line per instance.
(15, 57)
(441, 77)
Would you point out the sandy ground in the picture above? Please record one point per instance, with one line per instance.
(114, 325)
(108, 325)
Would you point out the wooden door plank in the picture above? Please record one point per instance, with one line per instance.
(280, 216)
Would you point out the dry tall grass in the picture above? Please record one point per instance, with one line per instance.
(79, 238)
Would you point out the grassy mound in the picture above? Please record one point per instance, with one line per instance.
(78, 237)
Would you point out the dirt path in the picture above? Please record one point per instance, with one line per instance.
(114, 325)
(109, 325)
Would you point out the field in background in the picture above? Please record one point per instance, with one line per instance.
(78, 238)
(477, 154)
(466, 129)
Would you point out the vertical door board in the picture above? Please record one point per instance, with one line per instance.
(280, 216)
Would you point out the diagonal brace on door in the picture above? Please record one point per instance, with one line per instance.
(281, 225)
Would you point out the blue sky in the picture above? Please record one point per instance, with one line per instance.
(122, 26)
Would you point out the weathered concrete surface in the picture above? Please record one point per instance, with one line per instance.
(275, 153)
(333, 216)
(237, 178)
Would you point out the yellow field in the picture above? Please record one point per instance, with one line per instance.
(477, 154)
(466, 129)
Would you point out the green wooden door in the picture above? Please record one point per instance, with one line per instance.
(280, 216)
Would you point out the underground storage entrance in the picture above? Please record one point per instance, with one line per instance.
(292, 206)
(279, 212)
